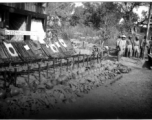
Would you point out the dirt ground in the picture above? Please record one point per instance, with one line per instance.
(130, 97)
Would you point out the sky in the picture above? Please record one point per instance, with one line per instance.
(140, 9)
(77, 4)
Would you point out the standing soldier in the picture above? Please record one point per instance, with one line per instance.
(136, 47)
(143, 45)
(129, 45)
(117, 42)
(122, 47)
(150, 53)
(124, 41)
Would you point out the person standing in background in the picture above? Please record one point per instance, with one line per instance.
(136, 47)
(122, 47)
(117, 44)
(117, 41)
(129, 45)
(124, 41)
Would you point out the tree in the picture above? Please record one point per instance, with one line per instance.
(77, 17)
(59, 15)
(126, 9)
(60, 9)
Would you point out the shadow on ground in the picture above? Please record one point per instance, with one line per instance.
(128, 98)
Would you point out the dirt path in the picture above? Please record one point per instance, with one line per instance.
(130, 97)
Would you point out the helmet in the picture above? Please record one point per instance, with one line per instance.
(123, 36)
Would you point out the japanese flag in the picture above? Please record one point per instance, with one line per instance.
(10, 49)
(62, 42)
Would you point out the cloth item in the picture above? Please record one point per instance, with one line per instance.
(117, 43)
(34, 45)
(136, 49)
(123, 36)
(122, 44)
(36, 26)
(144, 43)
(62, 42)
(21, 49)
(136, 43)
(2, 53)
(129, 48)
(54, 48)
(10, 49)
(129, 42)
(120, 54)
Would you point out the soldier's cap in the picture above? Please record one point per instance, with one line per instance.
(123, 36)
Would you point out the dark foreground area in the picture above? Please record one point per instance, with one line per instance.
(130, 97)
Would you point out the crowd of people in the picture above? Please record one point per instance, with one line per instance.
(133, 46)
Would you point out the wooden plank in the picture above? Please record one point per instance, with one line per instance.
(45, 23)
(28, 26)
(23, 12)
(17, 32)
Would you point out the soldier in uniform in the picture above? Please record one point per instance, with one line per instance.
(117, 42)
(143, 46)
(136, 47)
(129, 46)
(122, 47)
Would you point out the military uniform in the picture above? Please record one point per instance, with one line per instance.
(136, 47)
(129, 48)
(122, 47)
(143, 46)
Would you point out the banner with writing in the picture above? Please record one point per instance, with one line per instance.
(16, 32)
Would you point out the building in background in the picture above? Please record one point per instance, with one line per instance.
(23, 17)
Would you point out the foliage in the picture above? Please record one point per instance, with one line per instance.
(60, 9)
(97, 16)
(126, 9)
(77, 17)
(101, 15)
(75, 31)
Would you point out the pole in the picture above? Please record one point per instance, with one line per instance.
(148, 27)
(148, 24)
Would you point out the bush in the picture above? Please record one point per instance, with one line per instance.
(79, 31)
(86, 33)
(113, 36)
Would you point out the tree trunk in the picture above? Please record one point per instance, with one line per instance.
(148, 28)
(148, 24)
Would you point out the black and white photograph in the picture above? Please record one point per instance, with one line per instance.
(75, 60)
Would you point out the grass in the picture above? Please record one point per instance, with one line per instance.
(80, 31)
(85, 33)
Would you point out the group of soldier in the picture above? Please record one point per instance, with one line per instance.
(132, 46)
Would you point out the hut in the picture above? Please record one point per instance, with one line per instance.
(23, 17)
